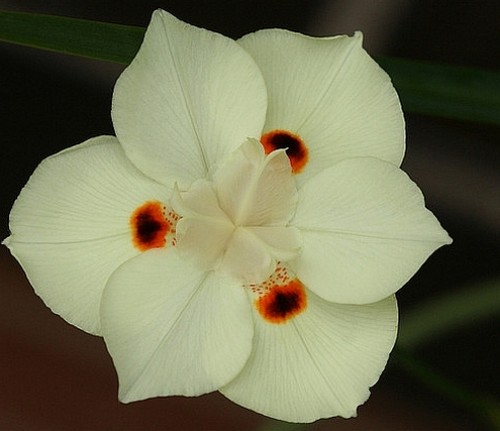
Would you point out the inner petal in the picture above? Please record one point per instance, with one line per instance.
(247, 258)
(203, 241)
(295, 147)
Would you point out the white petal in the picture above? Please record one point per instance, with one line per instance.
(318, 364)
(189, 97)
(256, 190)
(174, 330)
(70, 225)
(365, 231)
(330, 93)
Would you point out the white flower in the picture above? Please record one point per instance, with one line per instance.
(211, 261)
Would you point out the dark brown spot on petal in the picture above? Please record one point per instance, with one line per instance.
(296, 150)
(283, 302)
(150, 226)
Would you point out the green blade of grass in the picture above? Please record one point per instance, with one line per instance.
(439, 316)
(425, 88)
(92, 39)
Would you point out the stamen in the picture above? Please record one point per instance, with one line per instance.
(280, 297)
(296, 150)
(151, 224)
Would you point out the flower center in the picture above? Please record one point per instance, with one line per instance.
(237, 222)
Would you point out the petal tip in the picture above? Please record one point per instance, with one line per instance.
(160, 14)
(358, 36)
(448, 240)
(124, 396)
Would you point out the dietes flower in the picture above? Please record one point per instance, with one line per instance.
(247, 228)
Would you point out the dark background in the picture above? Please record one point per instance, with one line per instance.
(54, 377)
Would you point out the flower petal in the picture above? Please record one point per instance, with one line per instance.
(172, 329)
(70, 225)
(318, 364)
(365, 231)
(189, 97)
(331, 94)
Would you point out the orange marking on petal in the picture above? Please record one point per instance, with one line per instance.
(281, 298)
(296, 150)
(150, 224)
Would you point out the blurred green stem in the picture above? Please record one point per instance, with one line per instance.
(441, 315)
(485, 408)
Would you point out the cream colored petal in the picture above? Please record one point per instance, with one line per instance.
(172, 329)
(319, 364)
(365, 231)
(330, 93)
(188, 98)
(70, 225)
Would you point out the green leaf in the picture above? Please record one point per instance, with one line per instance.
(425, 88)
(446, 91)
(91, 39)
